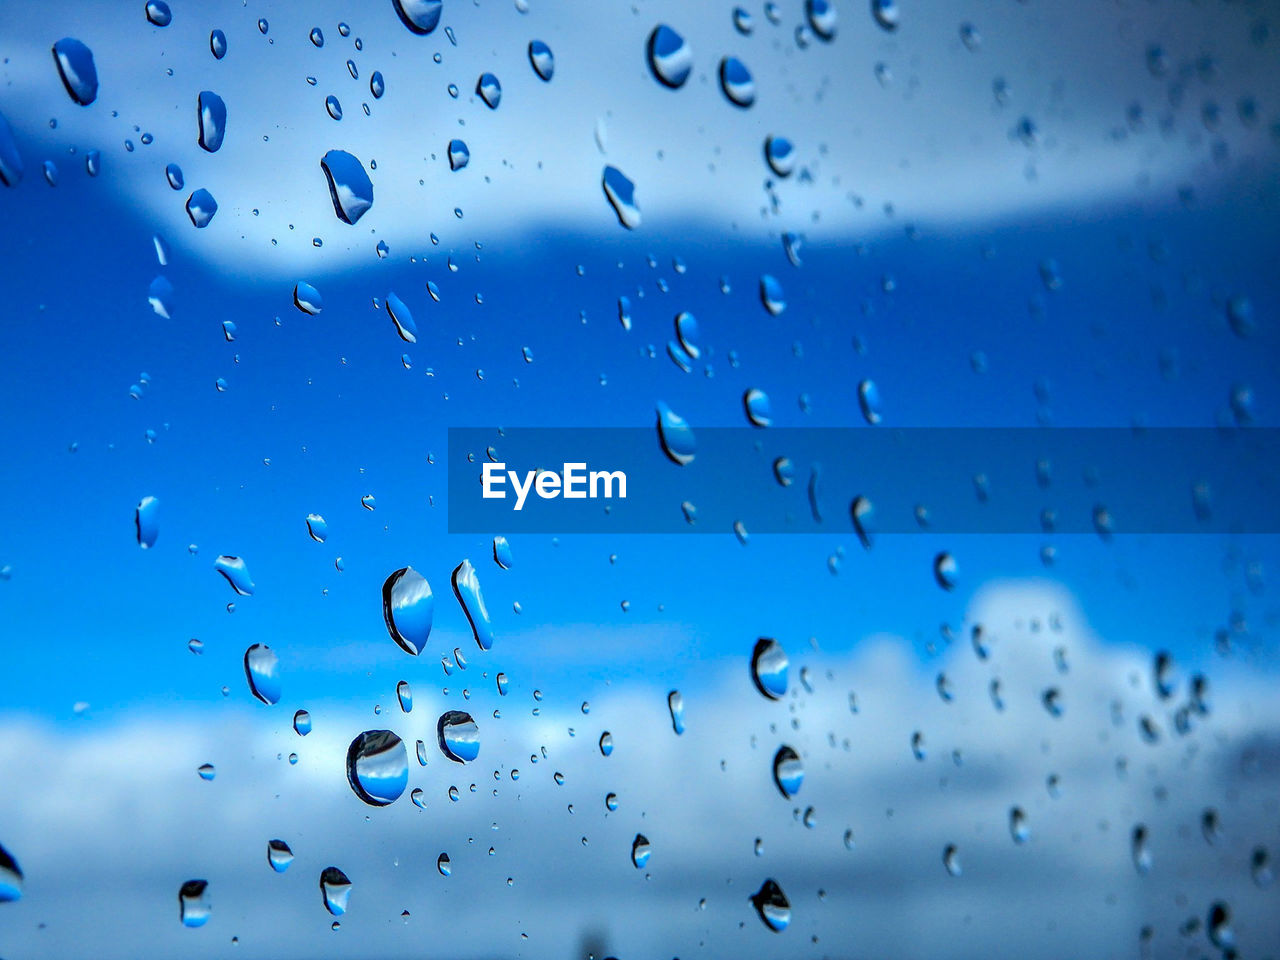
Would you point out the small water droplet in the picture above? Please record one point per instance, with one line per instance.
(675, 435)
(945, 570)
(302, 723)
(218, 44)
(207, 771)
(542, 60)
(886, 13)
(869, 401)
(442, 862)
(756, 404)
(675, 704)
(236, 573)
(279, 855)
(620, 192)
(788, 771)
(640, 851)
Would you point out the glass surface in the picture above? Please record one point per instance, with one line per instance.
(264, 694)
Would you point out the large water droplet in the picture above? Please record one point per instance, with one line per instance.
(335, 888)
(769, 668)
(262, 670)
(236, 573)
(76, 67)
(822, 17)
(670, 58)
(756, 404)
(788, 771)
(307, 298)
(621, 194)
(377, 85)
(408, 607)
(736, 82)
(675, 435)
(377, 767)
(489, 90)
(459, 155)
(218, 44)
(466, 587)
(772, 905)
(675, 704)
(302, 723)
(158, 13)
(201, 207)
(279, 855)
(420, 16)
(640, 851)
(10, 877)
(542, 60)
(458, 735)
(211, 113)
(146, 521)
(317, 529)
(193, 903)
(350, 188)
(402, 318)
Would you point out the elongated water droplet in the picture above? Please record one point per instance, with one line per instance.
(784, 471)
(146, 521)
(10, 877)
(489, 90)
(758, 409)
(951, 859)
(502, 552)
(822, 18)
(77, 69)
(542, 60)
(502, 682)
(377, 767)
(262, 670)
(736, 82)
(945, 570)
(675, 704)
(458, 735)
(772, 906)
(769, 665)
(279, 855)
(620, 192)
(402, 318)
(640, 851)
(1218, 926)
(788, 771)
(606, 744)
(377, 85)
(193, 903)
(405, 695)
(466, 587)
(408, 607)
(886, 13)
(211, 114)
(687, 333)
(158, 13)
(10, 160)
(236, 573)
(459, 155)
(307, 298)
(675, 435)
(862, 513)
(442, 865)
(201, 207)
(1018, 827)
(317, 37)
(420, 16)
(335, 890)
(1140, 849)
(869, 401)
(302, 723)
(333, 107)
(1052, 700)
(218, 44)
(350, 188)
(173, 173)
(670, 58)
(317, 529)
(1260, 867)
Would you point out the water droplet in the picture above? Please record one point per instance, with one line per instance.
(620, 192)
(307, 299)
(542, 60)
(670, 58)
(317, 528)
(675, 704)
(377, 767)
(1218, 926)
(262, 670)
(687, 333)
(173, 173)
(772, 905)
(756, 404)
(78, 72)
(1140, 850)
(780, 155)
(193, 901)
(317, 37)
(404, 695)
(788, 771)
(420, 16)
(335, 889)
(917, 745)
(236, 573)
(1260, 867)
(402, 318)
(442, 864)
(146, 521)
(951, 859)
(742, 21)
(408, 607)
(459, 155)
(466, 587)
(211, 113)
(1052, 700)
(377, 85)
(93, 162)
(502, 552)
(945, 570)
(784, 471)
(822, 18)
(501, 681)
(302, 723)
(1240, 315)
(611, 802)
(350, 188)
(333, 107)
(158, 13)
(769, 668)
(458, 735)
(943, 686)
(606, 744)
(886, 13)
(640, 851)
(675, 435)
(489, 90)
(201, 207)
(207, 771)
(218, 44)
(279, 855)
(869, 401)
(1018, 828)
(263, 26)
(736, 82)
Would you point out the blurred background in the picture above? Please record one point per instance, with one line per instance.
(228, 374)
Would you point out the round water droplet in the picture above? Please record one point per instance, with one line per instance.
(621, 194)
(408, 607)
(675, 435)
(640, 851)
(459, 155)
(675, 705)
(146, 522)
(769, 669)
(542, 60)
(279, 855)
(784, 471)
(158, 13)
(611, 802)
(218, 44)
(335, 890)
(193, 896)
(207, 771)
(211, 114)
(350, 188)
(458, 735)
(77, 70)
(302, 723)
(736, 82)
(772, 906)
(788, 771)
(420, 16)
(262, 670)
(670, 58)
(756, 404)
(317, 37)
(201, 207)
(377, 767)
(886, 13)
(489, 90)
(466, 587)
